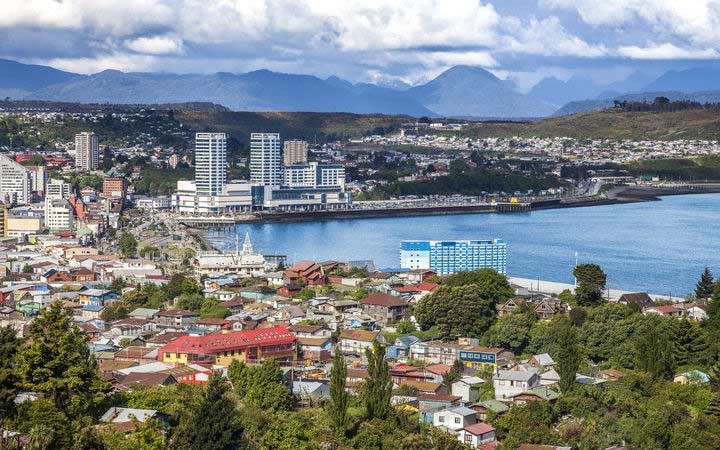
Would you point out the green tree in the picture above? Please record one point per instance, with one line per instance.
(27, 268)
(567, 354)
(213, 423)
(339, 397)
(377, 388)
(405, 327)
(457, 310)
(58, 364)
(261, 386)
(511, 331)
(128, 244)
(591, 284)
(705, 285)
(9, 345)
(654, 350)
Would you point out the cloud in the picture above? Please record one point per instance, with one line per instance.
(667, 51)
(156, 45)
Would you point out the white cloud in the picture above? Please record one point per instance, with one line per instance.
(156, 45)
(666, 51)
(547, 37)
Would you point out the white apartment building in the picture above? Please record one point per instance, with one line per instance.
(57, 190)
(314, 175)
(87, 151)
(39, 178)
(58, 215)
(295, 152)
(266, 159)
(210, 163)
(15, 182)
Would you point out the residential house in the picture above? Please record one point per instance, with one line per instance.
(664, 310)
(177, 318)
(310, 331)
(435, 352)
(92, 311)
(509, 383)
(315, 349)
(542, 362)
(98, 297)
(535, 394)
(477, 434)
(484, 408)
(124, 416)
(482, 357)
(400, 349)
(547, 308)
(354, 342)
(454, 419)
(692, 377)
(385, 308)
(309, 272)
(132, 327)
(310, 391)
(429, 404)
(467, 387)
(640, 299)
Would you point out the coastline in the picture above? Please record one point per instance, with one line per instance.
(618, 195)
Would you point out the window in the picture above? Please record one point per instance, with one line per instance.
(457, 420)
(441, 419)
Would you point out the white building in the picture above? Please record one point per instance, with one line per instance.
(266, 159)
(295, 152)
(245, 262)
(15, 182)
(477, 434)
(58, 215)
(509, 383)
(235, 197)
(455, 419)
(39, 178)
(210, 163)
(314, 175)
(57, 190)
(87, 151)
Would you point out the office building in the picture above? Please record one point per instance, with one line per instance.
(3, 221)
(87, 151)
(57, 190)
(15, 182)
(38, 174)
(210, 163)
(58, 215)
(314, 175)
(448, 257)
(295, 152)
(266, 159)
(114, 187)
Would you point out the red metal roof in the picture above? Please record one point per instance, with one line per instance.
(479, 428)
(220, 342)
(387, 300)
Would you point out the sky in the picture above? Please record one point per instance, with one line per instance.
(366, 40)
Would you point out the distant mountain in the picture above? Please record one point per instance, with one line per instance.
(558, 92)
(633, 83)
(17, 77)
(465, 91)
(590, 105)
(260, 90)
(690, 80)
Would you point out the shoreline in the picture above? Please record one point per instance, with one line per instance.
(615, 196)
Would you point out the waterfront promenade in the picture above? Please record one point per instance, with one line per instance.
(554, 288)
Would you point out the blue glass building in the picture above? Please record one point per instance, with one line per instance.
(448, 257)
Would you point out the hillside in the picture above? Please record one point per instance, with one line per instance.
(611, 124)
(320, 127)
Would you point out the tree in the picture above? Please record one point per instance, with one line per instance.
(654, 350)
(339, 397)
(591, 284)
(457, 310)
(405, 327)
(27, 268)
(705, 285)
(9, 344)
(377, 389)
(511, 331)
(260, 386)
(567, 354)
(128, 244)
(213, 423)
(57, 363)
(118, 284)
(453, 375)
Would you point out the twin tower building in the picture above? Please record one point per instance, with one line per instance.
(281, 178)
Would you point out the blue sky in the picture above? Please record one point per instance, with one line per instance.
(366, 40)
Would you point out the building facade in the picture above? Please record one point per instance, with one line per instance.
(314, 175)
(87, 151)
(15, 182)
(57, 190)
(448, 257)
(210, 163)
(295, 152)
(58, 215)
(114, 187)
(266, 159)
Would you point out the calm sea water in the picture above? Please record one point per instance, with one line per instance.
(659, 247)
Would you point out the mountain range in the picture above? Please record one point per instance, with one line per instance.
(461, 91)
